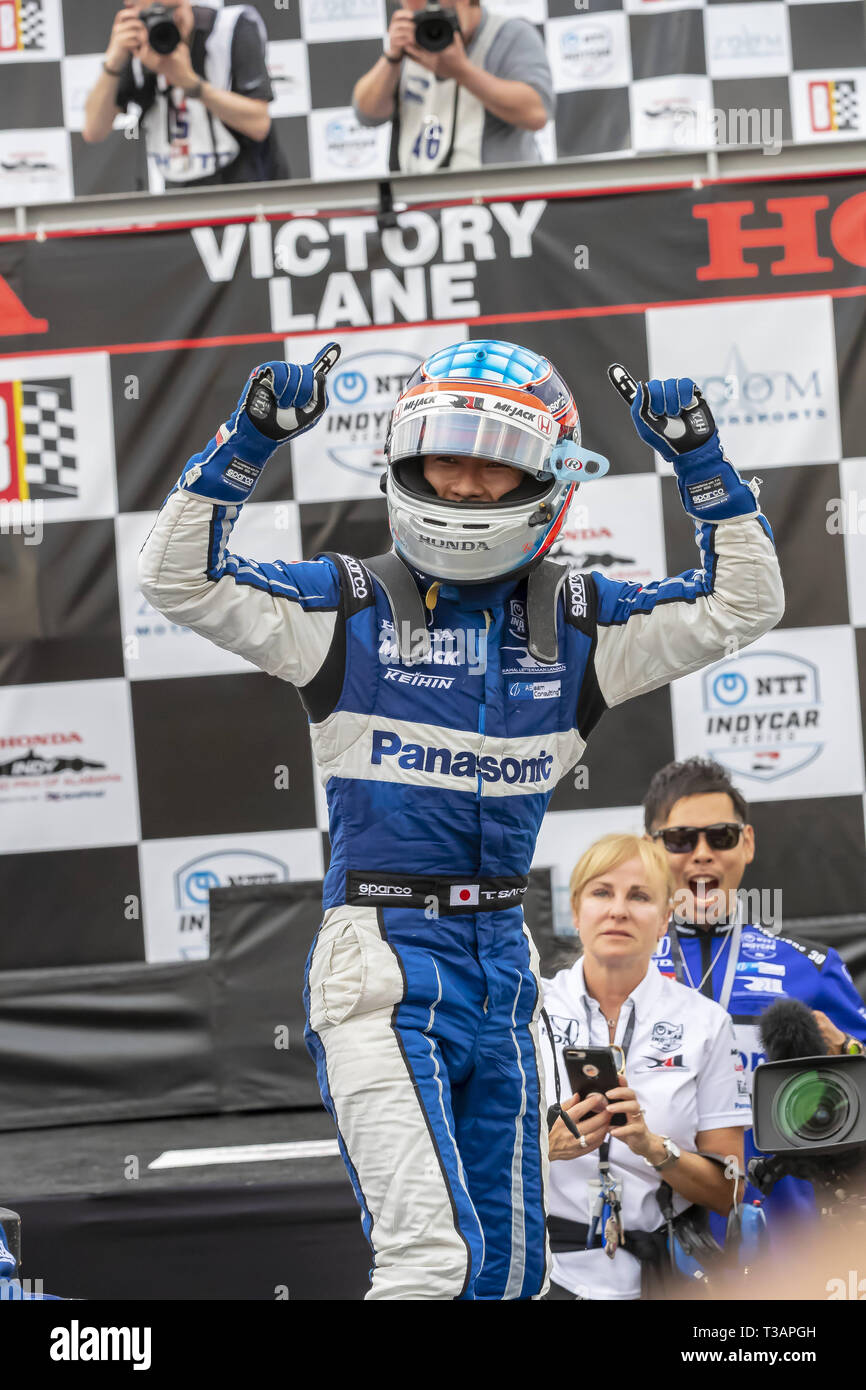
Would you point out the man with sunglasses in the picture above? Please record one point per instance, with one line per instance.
(693, 809)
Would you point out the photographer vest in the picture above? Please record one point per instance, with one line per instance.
(440, 124)
(185, 141)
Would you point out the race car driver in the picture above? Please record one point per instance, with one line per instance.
(449, 685)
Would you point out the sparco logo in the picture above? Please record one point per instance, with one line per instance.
(441, 543)
(385, 890)
(357, 577)
(577, 595)
(417, 757)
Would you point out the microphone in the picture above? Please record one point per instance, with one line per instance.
(788, 1030)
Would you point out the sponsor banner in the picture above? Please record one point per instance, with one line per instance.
(30, 31)
(307, 274)
(828, 105)
(533, 10)
(671, 113)
(340, 148)
(35, 167)
(290, 77)
(658, 6)
(153, 645)
(328, 20)
(782, 716)
(177, 876)
(564, 836)
(344, 457)
(617, 530)
(546, 142)
(769, 379)
(78, 75)
(57, 434)
(750, 40)
(851, 513)
(589, 51)
(67, 767)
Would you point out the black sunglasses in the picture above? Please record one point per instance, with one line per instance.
(682, 839)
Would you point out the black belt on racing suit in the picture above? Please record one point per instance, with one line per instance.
(448, 897)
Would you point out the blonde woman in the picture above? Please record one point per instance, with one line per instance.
(678, 1093)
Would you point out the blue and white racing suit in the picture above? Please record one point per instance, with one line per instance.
(768, 967)
(422, 989)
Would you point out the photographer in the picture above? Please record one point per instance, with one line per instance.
(203, 104)
(476, 100)
(678, 1092)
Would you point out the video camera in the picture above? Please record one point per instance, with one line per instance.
(163, 34)
(809, 1109)
(435, 27)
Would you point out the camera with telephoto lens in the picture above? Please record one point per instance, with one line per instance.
(812, 1108)
(808, 1108)
(163, 34)
(435, 27)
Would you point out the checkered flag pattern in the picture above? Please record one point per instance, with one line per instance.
(33, 29)
(630, 77)
(50, 451)
(844, 106)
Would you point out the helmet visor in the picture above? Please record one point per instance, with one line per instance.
(469, 434)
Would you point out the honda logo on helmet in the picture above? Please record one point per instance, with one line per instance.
(545, 424)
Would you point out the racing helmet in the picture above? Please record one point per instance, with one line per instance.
(484, 399)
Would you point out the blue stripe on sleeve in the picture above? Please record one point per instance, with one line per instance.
(618, 601)
(314, 584)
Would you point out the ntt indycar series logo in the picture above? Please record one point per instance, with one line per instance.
(362, 392)
(763, 714)
(416, 757)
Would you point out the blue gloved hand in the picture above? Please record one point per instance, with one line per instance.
(280, 401)
(674, 419)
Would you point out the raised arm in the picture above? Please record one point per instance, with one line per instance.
(650, 634)
(279, 616)
(127, 36)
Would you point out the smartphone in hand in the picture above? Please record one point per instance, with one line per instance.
(594, 1069)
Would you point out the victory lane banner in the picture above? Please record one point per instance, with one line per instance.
(500, 261)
